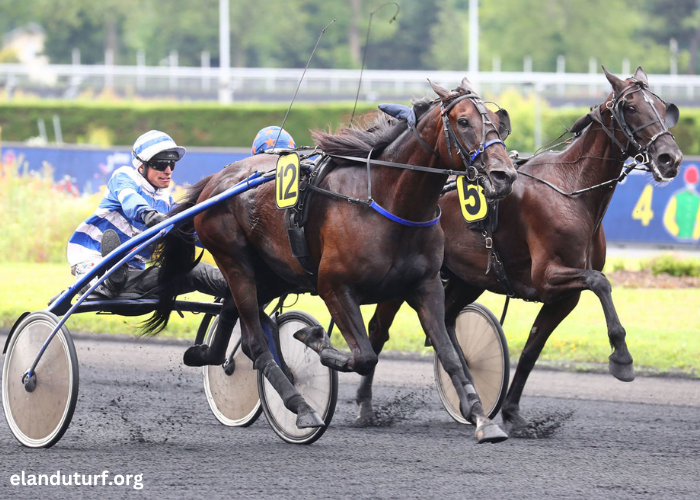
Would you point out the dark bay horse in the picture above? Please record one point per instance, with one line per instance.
(552, 245)
(360, 255)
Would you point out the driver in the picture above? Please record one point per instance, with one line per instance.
(137, 197)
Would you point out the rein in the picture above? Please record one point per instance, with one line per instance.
(611, 183)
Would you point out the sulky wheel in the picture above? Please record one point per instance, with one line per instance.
(232, 388)
(39, 418)
(317, 384)
(485, 349)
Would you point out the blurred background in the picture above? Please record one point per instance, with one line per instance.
(80, 80)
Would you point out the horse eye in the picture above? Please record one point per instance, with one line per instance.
(463, 122)
(632, 109)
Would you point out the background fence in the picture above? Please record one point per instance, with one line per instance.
(69, 80)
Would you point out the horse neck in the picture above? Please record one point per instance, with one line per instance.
(599, 161)
(409, 194)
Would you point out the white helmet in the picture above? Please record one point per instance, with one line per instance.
(150, 144)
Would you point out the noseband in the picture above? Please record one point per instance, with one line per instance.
(469, 157)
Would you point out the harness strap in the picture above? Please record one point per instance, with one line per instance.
(399, 165)
(405, 222)
(598, 118)
(339, 196)
(483, 148)
(422, 142)
(611, 182)
(495, 260)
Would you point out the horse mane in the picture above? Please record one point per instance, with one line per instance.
(376, 134)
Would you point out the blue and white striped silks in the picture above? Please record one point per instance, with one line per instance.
(126, 197)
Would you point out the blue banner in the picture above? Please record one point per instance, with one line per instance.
(87, 170)
(641, 212)
(644, 211)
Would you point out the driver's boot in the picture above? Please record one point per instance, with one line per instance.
(114, 284)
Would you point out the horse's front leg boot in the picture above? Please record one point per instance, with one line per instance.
(314, 337)
(198, 355)
(333, 358)
(470, 407)
(307, 417)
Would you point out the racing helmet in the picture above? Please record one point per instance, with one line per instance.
(265, 139)
(152, 143)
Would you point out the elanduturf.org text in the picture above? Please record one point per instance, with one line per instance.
(77, 479)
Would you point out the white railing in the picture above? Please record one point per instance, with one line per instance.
(68, 80)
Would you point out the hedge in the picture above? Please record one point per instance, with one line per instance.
(191, 124)
(213, 125)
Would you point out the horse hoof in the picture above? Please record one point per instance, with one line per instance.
(623, 372)
(366, 415)
(513, 424)
(314, 337)
(309, 418)
(490, 432)
(196, 356)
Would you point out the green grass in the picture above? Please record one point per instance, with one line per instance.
(662, 325)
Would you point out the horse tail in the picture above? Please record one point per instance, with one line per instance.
(175, 257)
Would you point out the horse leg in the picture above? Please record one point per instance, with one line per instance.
(215, 353)
(345, 311)
(428, 301)
(239, 271)
(378, 335)
(620, 362)
(547, 320)
(560, 280)
(458, 294)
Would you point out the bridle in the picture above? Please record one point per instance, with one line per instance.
(641, 160)
(616, 105)
(487, 126)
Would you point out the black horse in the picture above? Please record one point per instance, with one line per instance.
(359, 252)
(550, 238)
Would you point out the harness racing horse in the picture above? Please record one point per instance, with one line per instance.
(363, 252)
(550, 238)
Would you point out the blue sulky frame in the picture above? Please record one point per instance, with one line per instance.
(121, 255)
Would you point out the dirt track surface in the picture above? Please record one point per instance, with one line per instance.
(141, 412)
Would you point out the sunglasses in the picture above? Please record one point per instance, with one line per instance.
(161, 165)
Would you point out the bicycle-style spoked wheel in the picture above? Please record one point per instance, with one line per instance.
(232, 390)
(317, 384)
(485, 350)
(38, 418)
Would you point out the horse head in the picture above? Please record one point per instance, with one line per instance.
(476, 134)
(645, 120)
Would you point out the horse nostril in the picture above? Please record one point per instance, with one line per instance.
(665, 160)
(499, 177)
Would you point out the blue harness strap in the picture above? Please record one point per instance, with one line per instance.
(482, 149)
(405, 222)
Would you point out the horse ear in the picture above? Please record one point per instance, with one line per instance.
(581, 124)
(641, 76)
(467, 86)
(503, 124)
(672, 115)
(443, 93)
(616, 83)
